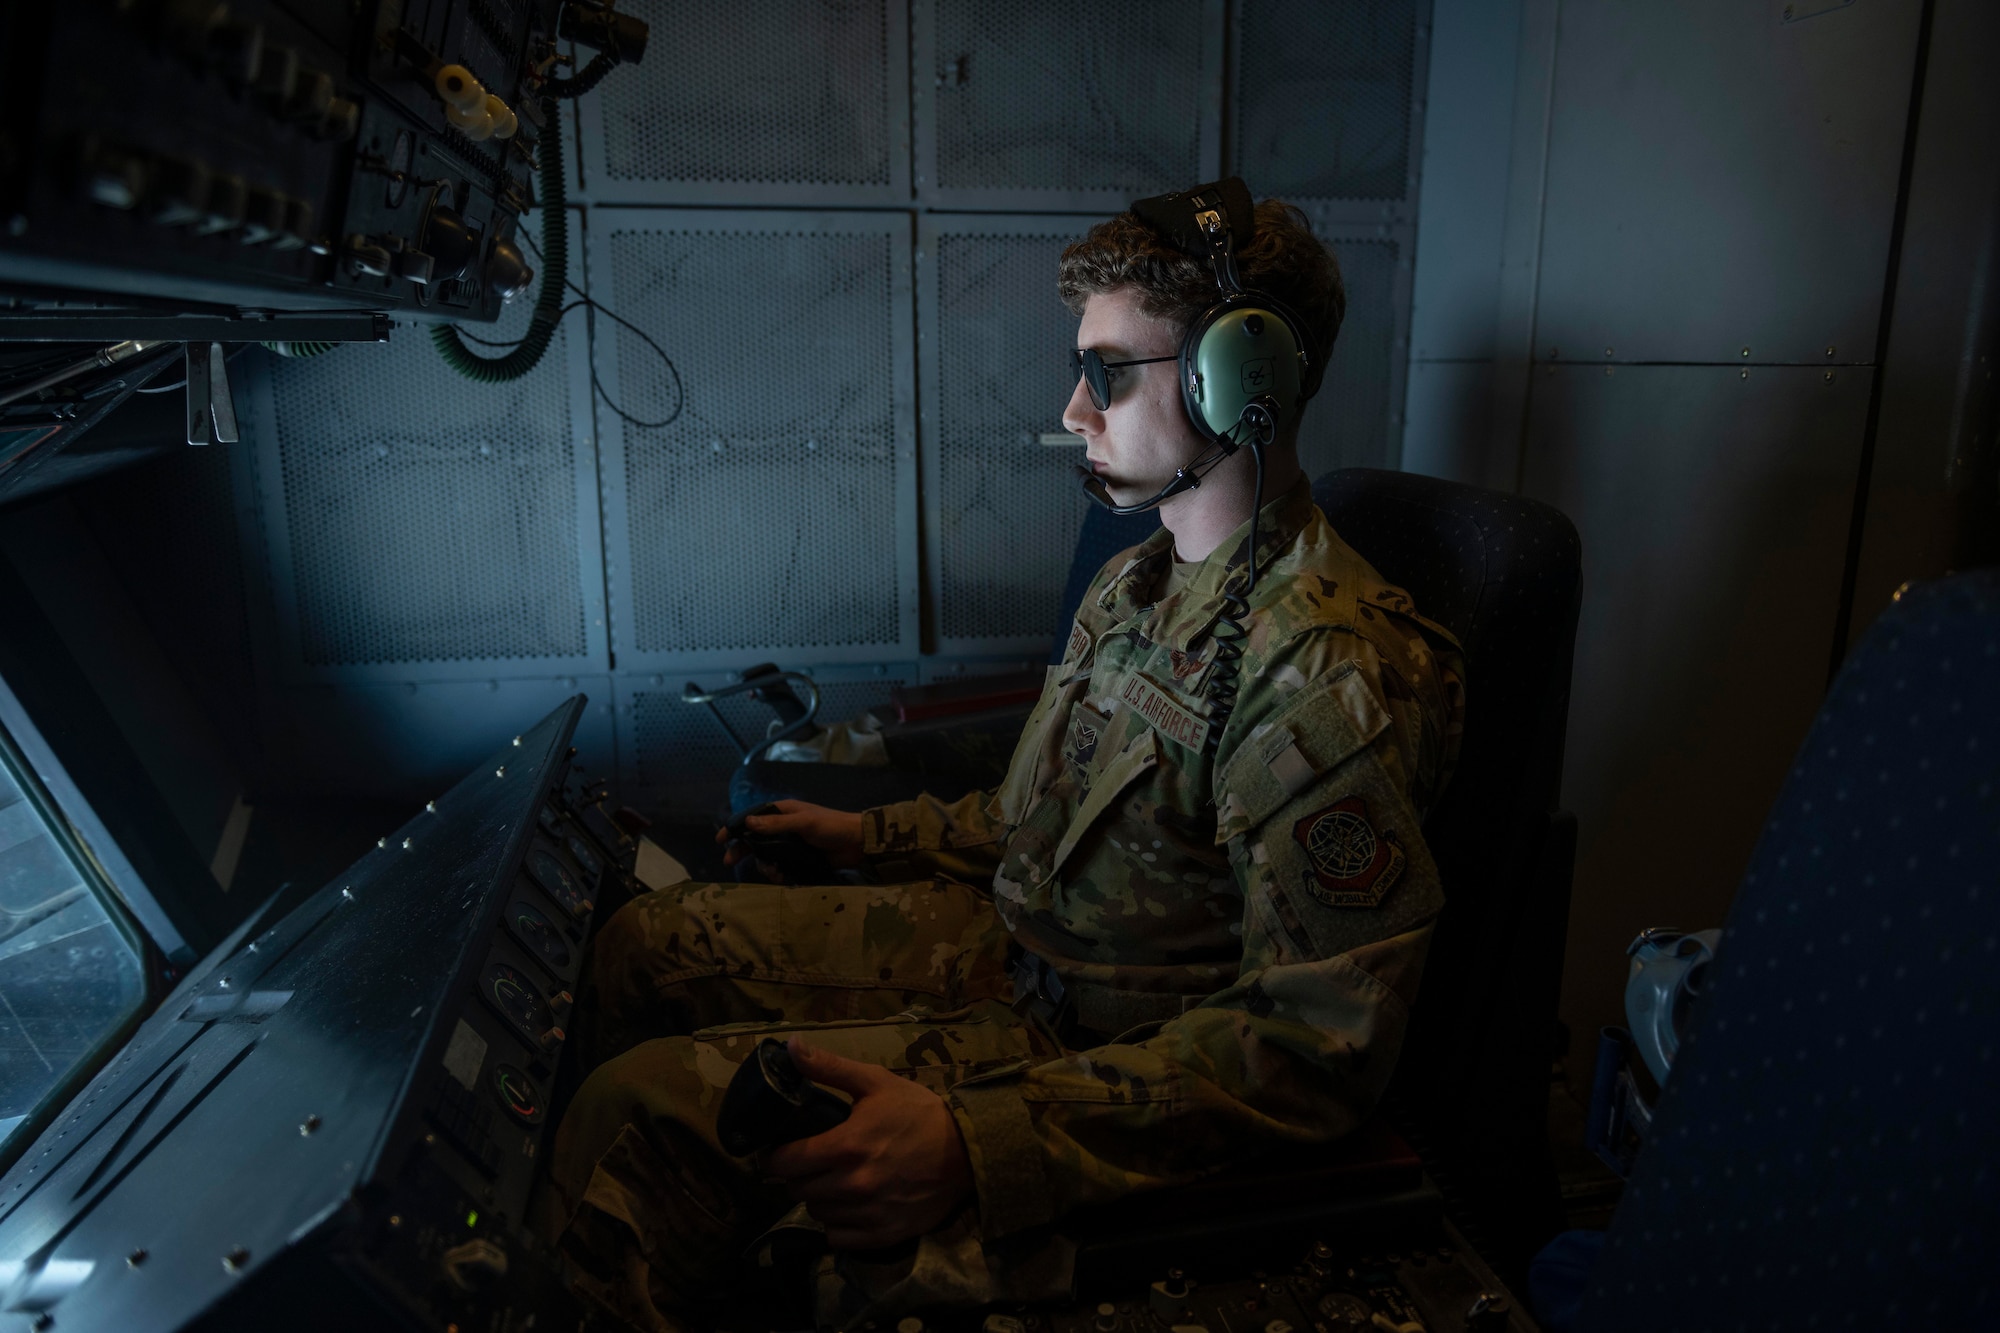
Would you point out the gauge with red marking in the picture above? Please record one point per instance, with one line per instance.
(517, 1093)
(519, 1000)
(533, 928)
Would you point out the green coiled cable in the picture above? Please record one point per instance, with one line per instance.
(523, 357)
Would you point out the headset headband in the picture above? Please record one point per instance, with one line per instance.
(1180, 216)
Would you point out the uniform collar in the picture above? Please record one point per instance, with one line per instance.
(1182, 618)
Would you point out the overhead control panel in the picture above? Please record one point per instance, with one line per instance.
(296, 156)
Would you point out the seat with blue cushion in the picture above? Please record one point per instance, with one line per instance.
(1824, 1154)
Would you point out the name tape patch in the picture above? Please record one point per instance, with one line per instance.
(1167, 715)
(1353, 863)
(1078, 641)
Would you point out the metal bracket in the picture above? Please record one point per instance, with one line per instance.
(211, 410)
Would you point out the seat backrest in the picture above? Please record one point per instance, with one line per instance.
(1825, 1143)
(1504, 575)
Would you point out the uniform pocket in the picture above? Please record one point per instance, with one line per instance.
(1064, 813)
(1040, 750)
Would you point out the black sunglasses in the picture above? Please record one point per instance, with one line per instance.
(1094, 370)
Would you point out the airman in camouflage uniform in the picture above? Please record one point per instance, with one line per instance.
(1205, 930)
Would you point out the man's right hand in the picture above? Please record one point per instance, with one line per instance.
(837, 833)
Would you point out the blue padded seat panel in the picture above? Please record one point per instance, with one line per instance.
(1825, 1152)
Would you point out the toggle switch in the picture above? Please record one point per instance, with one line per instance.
(226, 199)
(236, 50)
(178, 193)
(278, 74)
(263, 215)
(413, 266)
(340, 122)
(312, 94)
(297, 231)
(113, 177)
(366, 257)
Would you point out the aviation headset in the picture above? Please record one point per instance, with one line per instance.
(1243, 368)
(1243, 362)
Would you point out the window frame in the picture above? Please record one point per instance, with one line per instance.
(99, 884)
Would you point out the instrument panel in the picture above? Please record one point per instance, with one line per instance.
(342, 1109)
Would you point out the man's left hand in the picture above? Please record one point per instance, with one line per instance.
(896, 1168)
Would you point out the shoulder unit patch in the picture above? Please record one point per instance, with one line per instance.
(1354, 864)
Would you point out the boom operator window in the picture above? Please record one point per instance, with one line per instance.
(72, 978)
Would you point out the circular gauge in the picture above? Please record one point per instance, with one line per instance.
(548, 820)
(584, 856)
(517, 1093)
(518, 998)
(553, 875)
(539, 933)
(399, 169)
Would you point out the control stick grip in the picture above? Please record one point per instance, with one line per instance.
(770, 1102)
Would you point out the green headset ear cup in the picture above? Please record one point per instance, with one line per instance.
(1241, 349)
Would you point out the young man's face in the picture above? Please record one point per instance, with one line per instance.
(1137, 443)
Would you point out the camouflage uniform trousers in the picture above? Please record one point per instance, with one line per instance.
(653, 1218)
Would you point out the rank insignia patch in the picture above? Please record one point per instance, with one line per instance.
(1353, 863)
(1080, 745)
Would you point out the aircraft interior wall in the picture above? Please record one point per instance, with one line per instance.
(1682, 271)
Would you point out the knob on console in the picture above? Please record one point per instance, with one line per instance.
(113, 177)
(456, 86)
(506, 271)
(448, 241)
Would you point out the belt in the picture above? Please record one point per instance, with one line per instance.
(1086, 1013)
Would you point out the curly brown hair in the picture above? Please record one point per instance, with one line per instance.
(1284, 260)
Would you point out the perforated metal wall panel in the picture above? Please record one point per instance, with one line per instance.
(1040, 104)
(773, 513)
(1002, 512)
(414, 516)
(756, 102)
(1324, 97)
(1353, 420)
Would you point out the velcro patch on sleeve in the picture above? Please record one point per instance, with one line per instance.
(1354, 861)
(1078, 641)
(1316, 731)
(1168, 716)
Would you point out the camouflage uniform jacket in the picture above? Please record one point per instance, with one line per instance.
(1236, 901)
